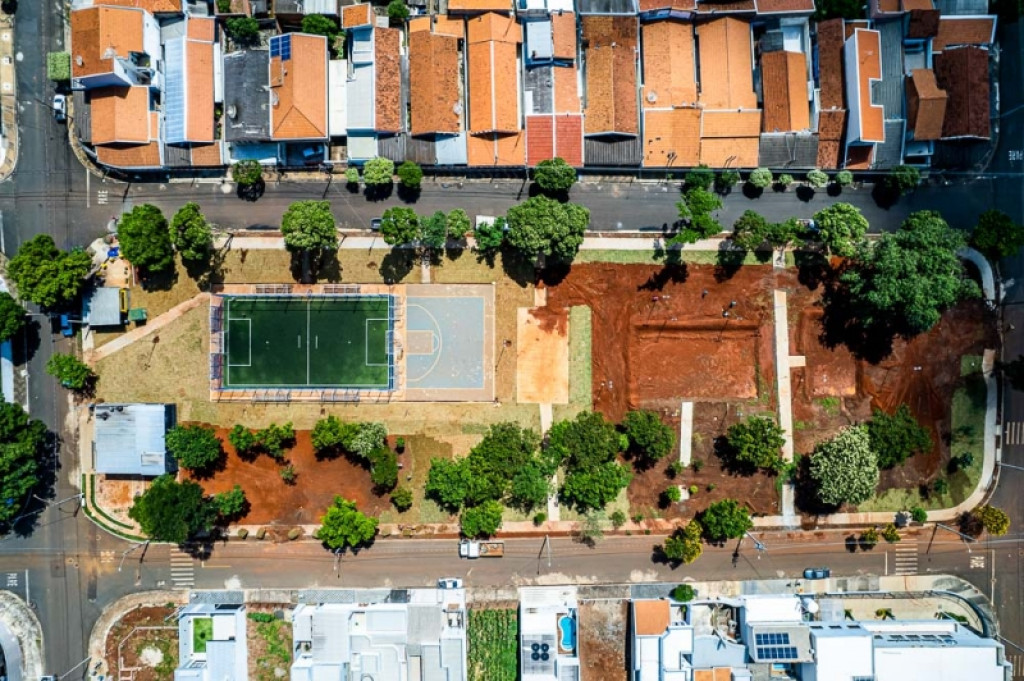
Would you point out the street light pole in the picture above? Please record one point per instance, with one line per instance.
(967, 538)
(130, 549)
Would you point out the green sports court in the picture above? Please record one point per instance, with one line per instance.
(315, 341)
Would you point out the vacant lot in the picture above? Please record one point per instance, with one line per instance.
(144, 644)
(603, 636)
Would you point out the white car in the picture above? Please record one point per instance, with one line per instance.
(449, 583)
(60, 108)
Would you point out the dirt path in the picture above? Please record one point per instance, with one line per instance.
(141, 332)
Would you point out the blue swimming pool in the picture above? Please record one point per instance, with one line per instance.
(567, 625)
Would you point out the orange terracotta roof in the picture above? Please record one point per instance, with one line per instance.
(831, 124)
(963, 31)
(926, 105)
(479, 6)
(207, 155)
(650, 618)
(299, 90)
(202, 28)
(357, 15)
(830, 63)
(567, 91)
(679, 5)
(909, 5)
(151, 6)
(548, 136)
(721, 7)
(98, 33)
(563, 34)
(495, 149)
(540, 139)
(784, 82)
(434, 83)
(138, 156)
(885, 6)
(868, 68)
(387, 46)
(771, 6)
(493, 82)
(448, 25)
(730, 123)
(726, 75)
(963, 74)
(730, 152)
(199, 58)
(670, 77)
(671, 138)
(419, 24)
(121, 115)
(569, 138)
(611, 75)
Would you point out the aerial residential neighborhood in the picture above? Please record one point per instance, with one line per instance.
(511, 340)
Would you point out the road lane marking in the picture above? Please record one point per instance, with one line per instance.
(978, 560)
(905, 559)
(183, 569)
(1013, 433)
(12, 579)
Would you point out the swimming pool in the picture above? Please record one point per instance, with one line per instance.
(567, 625)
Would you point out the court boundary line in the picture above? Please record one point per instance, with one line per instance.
(366, 341)
(227, 332)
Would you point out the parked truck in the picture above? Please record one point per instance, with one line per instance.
(481, 549)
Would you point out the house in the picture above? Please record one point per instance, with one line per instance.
(866, 120)
(495, 121)
(437, 112)
(831, 118)
(959, 31)
(375, 104)
(193, 91)
(926, 106)
(730, 119)
(114, 47)
(554, 119)
(548, 645)
(609, 66)
(298, 97)
(396, 635)
(671, 117)
(211, 643)
(129, 439)
(963, 73)
(784, 82)
(155, 7)
(247, 106)
(104, 306)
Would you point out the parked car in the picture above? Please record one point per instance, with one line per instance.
(60, 108)
(449, 583)
(817, 573)
(375, 224)
(808, 225)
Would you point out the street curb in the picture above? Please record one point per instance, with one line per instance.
(118, 609)
(30, 642)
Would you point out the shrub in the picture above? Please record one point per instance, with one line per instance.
(844, 178)
(246, 173)
(242, 439)
(261, 617)
(400, 444)
(288, 474)
(243, 30)
(674, 469)
(726, 180)
(383, 469)
(224, 6)
(540, 518)
(397, 11)
(671, 495)
(918, 514)
(294, 533)
(352, 175)
(995, 521)
(554, 175)
(618, 519)
(378, 172)
(410, 175)
(868, 538)
(940, 486)
(261, 533)
(785, 179)
(683, 593)
(891, 534)
(693, 489)
(401, 497)
(58, 66)
(902, 179)
(817, 179)
(760, 178)
(697, 465)
(701, 177)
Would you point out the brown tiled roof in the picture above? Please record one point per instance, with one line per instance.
(563, 34)
(151, 6)
(97, 33)
(670, 77)
(849, 27)
(926, 105)
(496, 149)
(479, 6)
(199, 123)
(868, 68)
(420, 23)
(830, 63)
(918, 5)
(963, 31)
(567, 90)
(299, 90)
(548, 136)
(433, 83)
(726, 76)
(202, 28)
(679, 5)
(650, 618)
(137, 156)
(963, 74)
(611, 75)
(493, 83)
(387, 42)
(924, 23)
(540, 139)
(769, 6)
(731, 152)
(671, 138)
(784, 82)
(207, 155)
(859, 157)
(721, 7)
(448, 25)
(885, 7)
(121, 114)
(569, 138)
(357, 15)
(828, 154)
(730, 123)
(831, 124)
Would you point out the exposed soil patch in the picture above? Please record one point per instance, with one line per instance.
(144, 642)
(602, 630)
(269, 643)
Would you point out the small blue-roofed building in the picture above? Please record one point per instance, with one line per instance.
(211, 643)
(130, 439)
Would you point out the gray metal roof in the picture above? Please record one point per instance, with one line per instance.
(962, 7)
(246, 100)
(889, 91)
(606, 6)
(610, 151)
(102, 307)
(788, 150)
(539, 90)
(129, 439)
(539, 43)
(890, 152)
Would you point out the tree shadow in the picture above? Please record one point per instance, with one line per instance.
(726, 453)
(842, 324)
(396, 265)
(251, 192)
(834, 189)
(554, 272)
(851, 543)
(31, 336)
(779, 188)
(9, 6)
(728, 261)
(670, 273)
(159, 281)
(378, 192)
(806, 491)
(805, 193)
(813, 269)
(884, 196)
(329, 267)
(518, 267)
(409, 194)
(352, 187)
(208, 472)
(752, 192)
(45, 489)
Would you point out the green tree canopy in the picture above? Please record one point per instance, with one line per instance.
(997, 235)
(725, 519)
(191, 233)
(701, 177)
(684, 545)
(230, 505)
(21, 446)
(695, 211)
(544, 227)
(594, 488)
(194, 447)
(912, 275)
(481, 521)
(247, 173)
(243, 30)
(368, 436)
(318, 24)
(58, 66)
(896, 437)
(383, 469)
(242, 439)
(71, 372)
(995, 521)
(145, 239)
(172, 511)
(309, 226)
(274, 439)
(490, 236)
(584, 442)
(434, 230)
(554, 175)
(840, 228)
(844, 178)
(331, 435)
(726, 180)
(817, 179)
(902, 179)
(343, 526)
(530, 487)
(761, 178)
(649, 438)
(12, 317)
(458, 223)
(447, 483)
(749, 230)
(494, 461)
(757, 443)
(47, 276)
(401, 497)
(845, 469)
(398, 11)
(410, 175)
(379, 172)
(399, 226)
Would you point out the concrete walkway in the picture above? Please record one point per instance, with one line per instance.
(686, 434)
(783, 387)
(141, 332)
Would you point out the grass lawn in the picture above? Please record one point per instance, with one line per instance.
(657, 257)
(580, 379)
(493, 653)
(202, 631)
(273, 649)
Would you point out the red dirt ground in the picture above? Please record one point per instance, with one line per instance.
(272, 501)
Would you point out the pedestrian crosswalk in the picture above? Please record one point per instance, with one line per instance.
(1017, 661)
(1013, 433)
(183, 569)
(906, 559)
